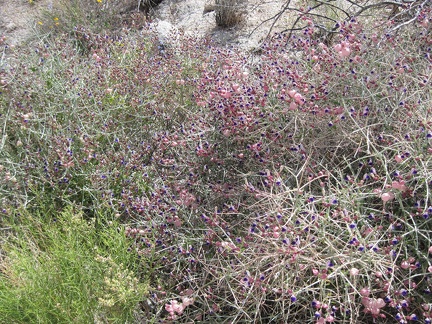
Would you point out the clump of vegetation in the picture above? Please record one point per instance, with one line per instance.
(294, 186)
(67, 269)
(229, 12)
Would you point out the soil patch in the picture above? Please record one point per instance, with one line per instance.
(18, 18)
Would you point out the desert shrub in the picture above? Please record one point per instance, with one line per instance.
(84, 19)
(292, 186)
(323, 18)
(97, 16)
(229, 13)
(58, 156)
(309, 150)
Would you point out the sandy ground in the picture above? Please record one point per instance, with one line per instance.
(17, 18)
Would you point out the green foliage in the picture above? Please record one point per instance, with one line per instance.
(61, 268)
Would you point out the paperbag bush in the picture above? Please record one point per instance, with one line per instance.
(289, 186)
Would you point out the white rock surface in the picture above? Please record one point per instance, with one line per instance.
(167, 32)
(188, 16)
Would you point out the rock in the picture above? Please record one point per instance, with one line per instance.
(198, 18)
(209, 7)
(10, 27)
(168, 34)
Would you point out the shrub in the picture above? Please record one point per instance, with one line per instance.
(62, 268)
(229, 12)
(292, 186)
(94, 17)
